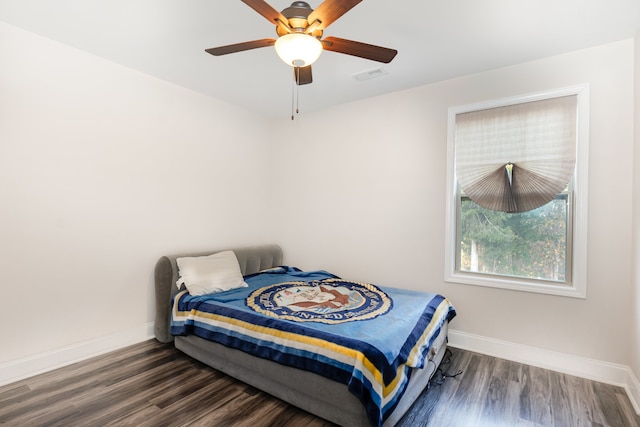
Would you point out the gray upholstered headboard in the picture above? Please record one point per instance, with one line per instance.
(251, 259)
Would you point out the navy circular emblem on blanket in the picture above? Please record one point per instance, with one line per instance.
(326, 301)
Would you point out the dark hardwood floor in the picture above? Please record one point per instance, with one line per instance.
(152, 384)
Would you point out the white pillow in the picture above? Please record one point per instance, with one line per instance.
(208, 274)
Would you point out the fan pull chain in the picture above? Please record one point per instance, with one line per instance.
(298, 94)
(295, 92)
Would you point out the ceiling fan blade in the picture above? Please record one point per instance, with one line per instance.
(302, 75)
(329, 11)
(264, 9)
(362, 50)
(239, 47)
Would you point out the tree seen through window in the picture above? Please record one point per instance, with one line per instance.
(529, 245)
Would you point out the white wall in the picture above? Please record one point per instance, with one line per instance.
(635, 332)
(102, 170)
(365, 187)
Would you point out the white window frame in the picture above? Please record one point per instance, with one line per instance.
(577, 286)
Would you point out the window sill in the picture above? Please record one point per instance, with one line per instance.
(540, 287)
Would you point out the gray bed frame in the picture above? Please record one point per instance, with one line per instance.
(306, 390)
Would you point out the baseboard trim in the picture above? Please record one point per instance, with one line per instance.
(605, 372)
(33, 365)
(633, 390)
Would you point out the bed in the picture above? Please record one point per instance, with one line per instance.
(319, 390)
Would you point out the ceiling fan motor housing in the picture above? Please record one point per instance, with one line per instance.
(298, 9)
(297, 15)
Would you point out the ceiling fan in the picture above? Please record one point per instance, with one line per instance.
(300, 30)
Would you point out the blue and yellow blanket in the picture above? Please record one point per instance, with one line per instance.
(361, 335)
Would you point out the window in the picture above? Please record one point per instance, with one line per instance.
(516, 208)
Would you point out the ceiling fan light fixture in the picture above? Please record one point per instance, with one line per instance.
(298, 49)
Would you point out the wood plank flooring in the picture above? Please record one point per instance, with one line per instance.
(152, 384)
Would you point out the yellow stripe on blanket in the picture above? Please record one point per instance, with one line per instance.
(415, 355)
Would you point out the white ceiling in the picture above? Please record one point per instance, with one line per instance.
(436, 40)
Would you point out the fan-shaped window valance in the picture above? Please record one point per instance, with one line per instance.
(516, 158)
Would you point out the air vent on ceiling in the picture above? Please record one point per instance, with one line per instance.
(370, 74)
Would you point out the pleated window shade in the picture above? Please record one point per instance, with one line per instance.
(516, 158)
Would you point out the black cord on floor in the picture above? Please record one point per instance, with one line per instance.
(440, 376)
